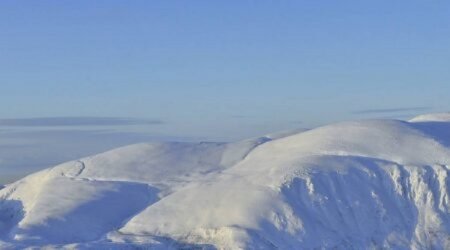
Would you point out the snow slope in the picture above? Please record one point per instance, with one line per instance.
(352, 185)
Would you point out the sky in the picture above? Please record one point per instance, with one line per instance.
(215, 70)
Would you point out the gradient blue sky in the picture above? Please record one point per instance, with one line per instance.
(224, 69)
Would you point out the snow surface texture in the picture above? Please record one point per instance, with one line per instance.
(353, 185)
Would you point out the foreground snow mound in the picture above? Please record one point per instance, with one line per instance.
(354, 185)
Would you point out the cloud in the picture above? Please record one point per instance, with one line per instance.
(391, 110)
(76, 121)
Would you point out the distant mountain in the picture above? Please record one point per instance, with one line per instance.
(375, 184)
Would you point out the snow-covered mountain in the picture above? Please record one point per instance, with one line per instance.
(352, 185)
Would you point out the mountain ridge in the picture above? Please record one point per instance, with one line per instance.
(358, 184)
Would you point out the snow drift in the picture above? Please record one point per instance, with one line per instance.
(361, 185)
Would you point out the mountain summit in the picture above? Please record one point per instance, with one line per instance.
(351, 185)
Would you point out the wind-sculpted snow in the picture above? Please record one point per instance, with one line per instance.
(354, 185)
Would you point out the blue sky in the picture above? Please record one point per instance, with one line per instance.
(209, 65)
(223, 70)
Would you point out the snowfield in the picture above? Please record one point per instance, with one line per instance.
(375, 184)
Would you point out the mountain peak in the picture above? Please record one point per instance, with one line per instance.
(359, 184)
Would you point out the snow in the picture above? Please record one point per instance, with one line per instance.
(361, 184)
(437, 117)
